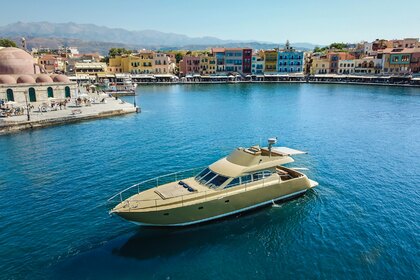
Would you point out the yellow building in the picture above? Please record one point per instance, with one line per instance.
(320, 65)
(207, 64)
(146, 62)
(270, 60)
(143, 62)
(114, 65)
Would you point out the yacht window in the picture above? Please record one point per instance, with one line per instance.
(257, 176)
(261, 175)
(217, 181)
(207, 177)
(267, 173)
(246, 179)
(202, 173)
(233, 183)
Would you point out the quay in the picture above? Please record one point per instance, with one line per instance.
(111, 107)
(315, 79)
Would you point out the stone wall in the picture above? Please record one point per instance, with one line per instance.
(41, 91)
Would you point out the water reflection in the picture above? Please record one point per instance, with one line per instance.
(148, 242)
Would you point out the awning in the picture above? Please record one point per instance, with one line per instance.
(287, 151)
(164, 76)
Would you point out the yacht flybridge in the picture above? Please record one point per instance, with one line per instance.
(245, 179)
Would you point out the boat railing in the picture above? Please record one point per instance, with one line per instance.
(154, 182)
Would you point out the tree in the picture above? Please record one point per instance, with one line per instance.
(178, 57)
(338, 46)
(118, 51)
(7, 43)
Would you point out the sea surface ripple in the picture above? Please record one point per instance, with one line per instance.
(362, 221)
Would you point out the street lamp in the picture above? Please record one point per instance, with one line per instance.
(27, 105)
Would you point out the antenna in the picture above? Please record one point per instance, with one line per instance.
(271, 142)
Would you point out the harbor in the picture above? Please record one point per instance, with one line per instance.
(56, 183)
(163, 140)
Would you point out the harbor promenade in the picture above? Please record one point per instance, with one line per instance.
(70, 114)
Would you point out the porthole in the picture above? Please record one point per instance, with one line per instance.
(166, 214)
(226, 201)
(201, 207)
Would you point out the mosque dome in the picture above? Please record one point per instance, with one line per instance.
(25, 79)
(7, 79)
(44, 79)
(16, 61)
(61, 79)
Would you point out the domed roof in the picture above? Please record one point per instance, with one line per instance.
(6, 79)
(25, 79)
(44, 79)
(61, 79)
(16, 61)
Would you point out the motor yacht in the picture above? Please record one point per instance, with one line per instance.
(245, 179)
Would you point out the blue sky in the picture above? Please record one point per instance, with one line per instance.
(318, 22)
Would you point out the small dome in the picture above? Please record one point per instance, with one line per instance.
(61, 79)
(44, 79)
(6, 79)
(25, 79)
(16, 61)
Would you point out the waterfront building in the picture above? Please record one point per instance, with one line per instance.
(367, 65)
(189, 66)
(257, 67)
(219, 54)
(396, 60)
(22, 80)
(115, 65)
(335, 57)
(90, 68)
(161, 63)
(415, 61)
(307, 61)
(146, 62)
(346, 67)
(290, 60)
(246, 60)
(320, 64)
(270, 61)
(143, 62)
(233, 60)
(207, 64)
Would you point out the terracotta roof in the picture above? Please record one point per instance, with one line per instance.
(217, 50)
(399, 50)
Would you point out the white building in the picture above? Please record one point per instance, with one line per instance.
(346, 66)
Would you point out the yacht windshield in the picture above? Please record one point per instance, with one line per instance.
(210, 178)
(202, 173)
(217, 181)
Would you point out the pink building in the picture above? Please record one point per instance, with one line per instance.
(415, 61)
(189, 65)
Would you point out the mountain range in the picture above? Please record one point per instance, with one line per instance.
(94, 38)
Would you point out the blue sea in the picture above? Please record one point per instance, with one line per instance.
(361, 222)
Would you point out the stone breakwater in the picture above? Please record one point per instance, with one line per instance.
(111, 108)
